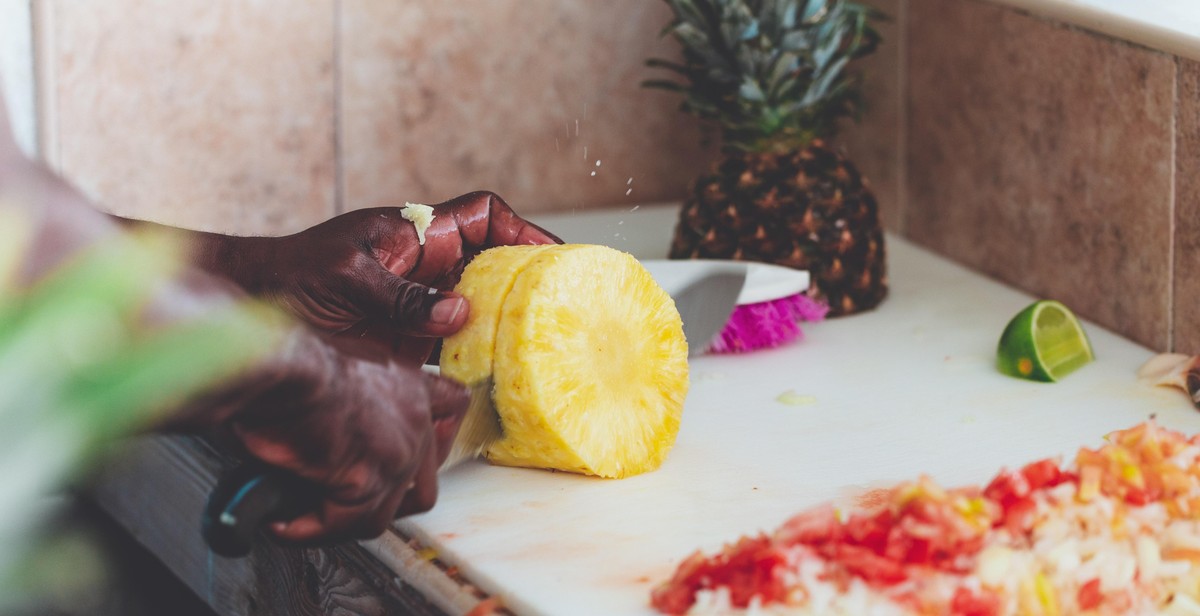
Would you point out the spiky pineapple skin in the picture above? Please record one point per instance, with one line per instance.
(807, 209)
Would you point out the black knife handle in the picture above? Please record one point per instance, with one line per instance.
(248, 497)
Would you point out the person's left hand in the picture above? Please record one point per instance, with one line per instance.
(364, 277)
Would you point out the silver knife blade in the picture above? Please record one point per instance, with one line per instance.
(705, 305)
(480, 427)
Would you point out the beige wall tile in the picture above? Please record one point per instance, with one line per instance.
(874, 143)
(214, 114)
(1042, 155)
(438, 101)
(1187, 211)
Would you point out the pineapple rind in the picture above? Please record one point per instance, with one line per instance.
(591, 365)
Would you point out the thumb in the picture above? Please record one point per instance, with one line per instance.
(413, 309)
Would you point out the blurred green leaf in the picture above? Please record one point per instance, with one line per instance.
(79, 367)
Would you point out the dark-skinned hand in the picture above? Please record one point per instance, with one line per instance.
(371, 435)
(365, 278)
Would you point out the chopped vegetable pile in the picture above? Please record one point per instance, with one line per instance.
(1116, 531)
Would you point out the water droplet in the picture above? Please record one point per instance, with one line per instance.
(627, 194)
(597, 162)
(629, 181)
(593, 174)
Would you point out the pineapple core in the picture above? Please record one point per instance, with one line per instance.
(421, 216)
(587, 355)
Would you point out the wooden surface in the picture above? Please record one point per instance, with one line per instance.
(157, 490)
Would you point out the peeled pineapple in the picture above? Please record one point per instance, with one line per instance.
(587, 354)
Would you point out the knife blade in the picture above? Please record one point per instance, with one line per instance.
(705, 306)
(705, 293)
(480, 427)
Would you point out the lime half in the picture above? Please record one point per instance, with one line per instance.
(1044, 342)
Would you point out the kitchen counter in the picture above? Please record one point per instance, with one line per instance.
(907, 389)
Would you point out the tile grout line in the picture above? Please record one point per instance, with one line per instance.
(43, 34)
(902, 103)
(1173, 205)
(339, 170)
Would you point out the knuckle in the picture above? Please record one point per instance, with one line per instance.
(412, 302)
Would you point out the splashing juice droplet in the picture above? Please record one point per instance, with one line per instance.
(585, 152)
(576, 127)
(597, 162)
(629, 181)
(627, 194)
(593, 174)
(635, 208)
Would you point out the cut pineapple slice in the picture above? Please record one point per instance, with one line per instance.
(467, 355)
(587, 354)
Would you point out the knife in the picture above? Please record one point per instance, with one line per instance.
(253, 494)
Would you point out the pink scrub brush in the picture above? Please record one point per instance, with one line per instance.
(767, 324)
(769, 309)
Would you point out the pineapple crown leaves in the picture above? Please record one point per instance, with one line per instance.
(771, 74)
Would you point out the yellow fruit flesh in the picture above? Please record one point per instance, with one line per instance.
(590, 362)
(467, 356)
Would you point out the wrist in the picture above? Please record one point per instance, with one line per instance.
(250, 262)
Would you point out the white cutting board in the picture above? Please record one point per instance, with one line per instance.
(904, 390)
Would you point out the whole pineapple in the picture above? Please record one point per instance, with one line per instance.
(771, 75)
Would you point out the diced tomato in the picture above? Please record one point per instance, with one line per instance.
(673, 598)
(814, 527)
(1007, 487)
(870, 531)
(968, 603)
(870, 566)
(1137, 496)
(1042, 474)
(1089, 595)
(749, 569)
(1020, 516)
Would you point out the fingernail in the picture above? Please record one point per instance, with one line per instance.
(445, 311)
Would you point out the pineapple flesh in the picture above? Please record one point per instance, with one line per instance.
(772, 76)
(587, 356)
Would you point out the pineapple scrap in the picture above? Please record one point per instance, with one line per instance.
(794, 399)
(586, 353)
(421, 216)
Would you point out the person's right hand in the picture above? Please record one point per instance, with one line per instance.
(371, 435)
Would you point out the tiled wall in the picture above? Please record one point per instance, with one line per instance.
(1053, 158)
(1057, 160)
(266, 116)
